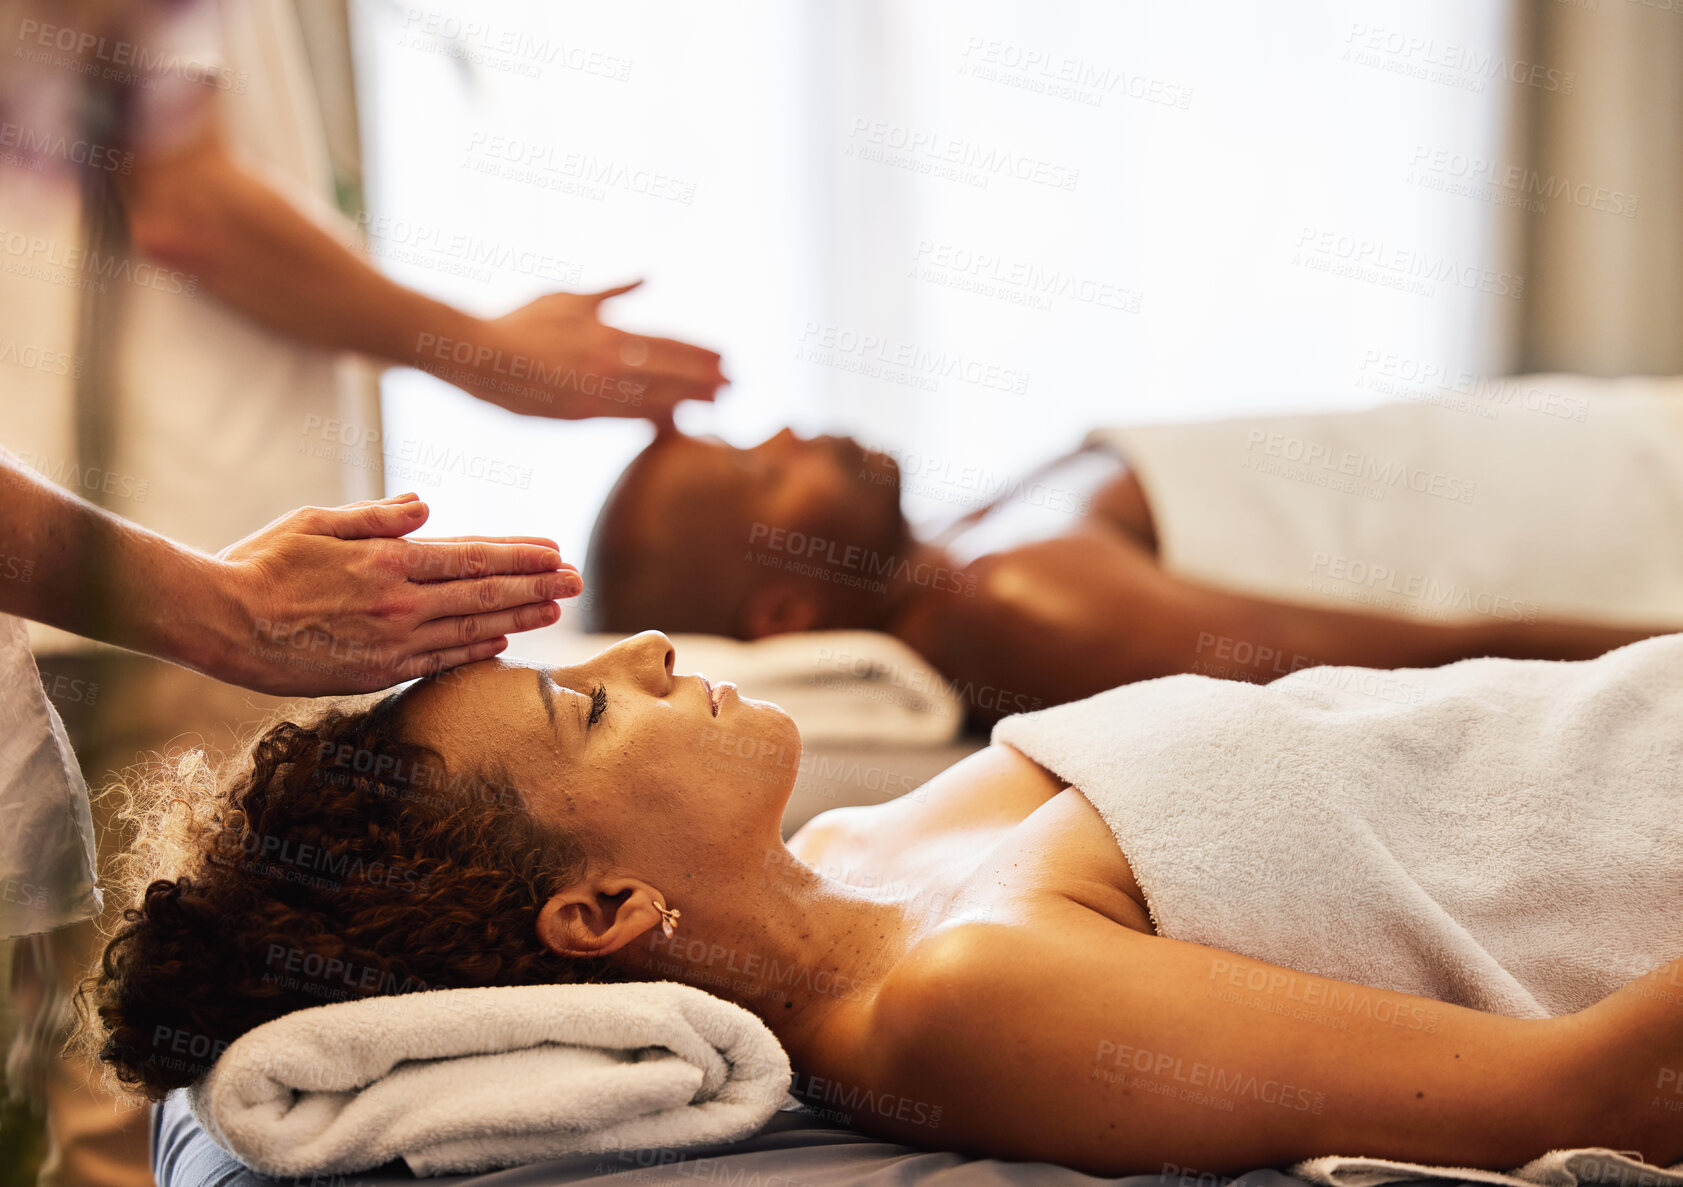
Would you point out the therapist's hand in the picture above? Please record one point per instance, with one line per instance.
(555, 357)
(335, 600)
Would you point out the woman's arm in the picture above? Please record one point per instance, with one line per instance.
(1079, 1042)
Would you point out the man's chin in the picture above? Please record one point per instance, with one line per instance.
(879, 472)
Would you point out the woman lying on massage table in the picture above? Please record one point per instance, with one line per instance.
(994, 965)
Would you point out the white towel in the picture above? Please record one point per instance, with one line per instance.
(1568, 504)
(474, 1079)
(1557, 1168)
(1501, 834)
(841, 687)
(46, 826)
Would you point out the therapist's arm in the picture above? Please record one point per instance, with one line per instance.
(197, 210)
(322, 601)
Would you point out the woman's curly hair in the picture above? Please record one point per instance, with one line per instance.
(336, 861)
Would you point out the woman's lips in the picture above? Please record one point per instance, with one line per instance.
(715, 692)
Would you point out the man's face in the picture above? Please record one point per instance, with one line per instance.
(697, 535)
(828, 486)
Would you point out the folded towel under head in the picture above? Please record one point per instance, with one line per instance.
(475, 1079)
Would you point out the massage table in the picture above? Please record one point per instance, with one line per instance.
(797, 1148)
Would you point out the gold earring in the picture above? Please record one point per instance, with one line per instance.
(668, 919)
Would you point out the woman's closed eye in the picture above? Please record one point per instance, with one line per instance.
(598, 705)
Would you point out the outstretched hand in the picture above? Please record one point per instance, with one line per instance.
(340, 600)
(556, 357)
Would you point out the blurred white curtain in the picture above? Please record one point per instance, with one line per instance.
(1604, 162)
(966, 232)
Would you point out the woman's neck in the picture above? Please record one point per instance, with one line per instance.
(782, 941)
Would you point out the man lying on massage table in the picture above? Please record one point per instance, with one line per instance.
(1408, 535)
(995, 957)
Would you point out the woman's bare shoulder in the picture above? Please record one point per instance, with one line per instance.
(1000, 968)
(995, 787)
(963, 962)
(820, 838)
(929, 1007)
(956, 1023)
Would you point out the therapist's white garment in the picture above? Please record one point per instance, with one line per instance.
(217, 425)
(46, 831)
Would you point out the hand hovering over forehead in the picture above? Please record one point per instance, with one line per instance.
(342, 599)
(555, 357)
(325, 600)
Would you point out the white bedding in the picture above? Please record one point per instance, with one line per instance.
(1568, 503)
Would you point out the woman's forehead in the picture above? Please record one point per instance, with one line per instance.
(462, 690)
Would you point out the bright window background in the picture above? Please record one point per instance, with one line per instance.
(1150, 264)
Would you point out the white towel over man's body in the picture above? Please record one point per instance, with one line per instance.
(1547, 496)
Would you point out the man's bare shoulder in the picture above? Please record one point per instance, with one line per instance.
(1084, 579)
(1088, 551)
(1046, 622)
(1121, 504)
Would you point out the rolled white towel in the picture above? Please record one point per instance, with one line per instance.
(474, 1079)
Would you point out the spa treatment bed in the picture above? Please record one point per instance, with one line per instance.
(797, 1148)
(1419, 844)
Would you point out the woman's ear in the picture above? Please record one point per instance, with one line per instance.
(593, 918)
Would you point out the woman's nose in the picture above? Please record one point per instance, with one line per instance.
(650, 657)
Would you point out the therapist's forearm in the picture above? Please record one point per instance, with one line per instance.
(69, 564)
(200, 212)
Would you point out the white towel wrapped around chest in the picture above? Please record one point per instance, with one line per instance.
(1501, 834)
